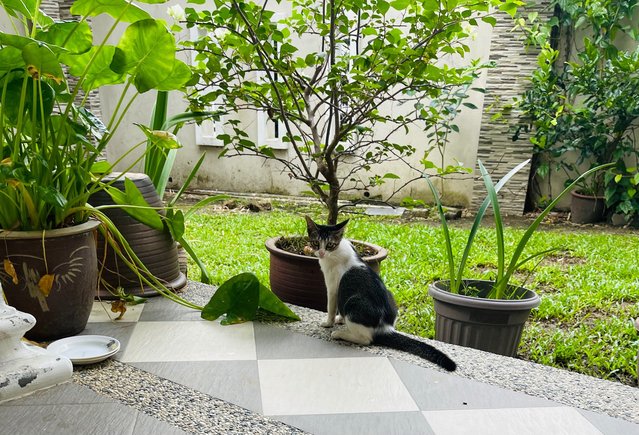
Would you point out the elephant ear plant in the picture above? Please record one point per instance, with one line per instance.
(50, 144)
(488, 315)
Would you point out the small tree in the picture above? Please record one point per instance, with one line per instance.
(584, 97)
(341, 79)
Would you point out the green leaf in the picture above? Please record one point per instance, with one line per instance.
(147, 52)
(10, 58)
(238, 298)
(177, 78)
(490, 20)
(271, 303)
(76, 37)
(400, 5)
(133, 203)
(99, 71)
(176, 223)
(101, 167)
(41, 62)
(118, 9)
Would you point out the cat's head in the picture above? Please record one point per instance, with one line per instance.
(324, 239)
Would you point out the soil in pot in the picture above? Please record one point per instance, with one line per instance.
(296, 277)
(54, 278)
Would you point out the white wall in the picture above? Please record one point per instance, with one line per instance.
(252, 174)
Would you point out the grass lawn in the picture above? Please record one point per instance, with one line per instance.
(589, 289)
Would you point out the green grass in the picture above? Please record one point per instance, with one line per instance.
(589, 289)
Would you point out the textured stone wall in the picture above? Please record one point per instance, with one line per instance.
(497, 150)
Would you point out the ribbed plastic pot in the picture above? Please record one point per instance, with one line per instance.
(492, 325)
(586, 209)
(298, 280)
(156, 249)
(60, 262)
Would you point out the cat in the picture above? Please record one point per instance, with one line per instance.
(358, 297)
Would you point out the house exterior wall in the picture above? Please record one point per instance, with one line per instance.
(252, 174)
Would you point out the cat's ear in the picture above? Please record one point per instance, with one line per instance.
(339, 228)
(341, 225)
(311, 226)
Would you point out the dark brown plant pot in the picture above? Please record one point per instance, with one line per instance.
(298, 280)
(66, 257)
(585, 209)
(492, 325)
(156, 249)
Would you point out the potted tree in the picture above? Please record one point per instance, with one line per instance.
(337, 83)
(488, 315)
(582, 106)
(51, 148)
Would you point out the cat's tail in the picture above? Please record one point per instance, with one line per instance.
(395, 340)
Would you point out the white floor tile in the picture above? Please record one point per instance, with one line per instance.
(190, 341)
(516, 421)
(101, 312)
(332, 386)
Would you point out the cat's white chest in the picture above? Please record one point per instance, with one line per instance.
(335, 265)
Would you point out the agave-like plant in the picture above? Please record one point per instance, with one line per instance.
(505, 267)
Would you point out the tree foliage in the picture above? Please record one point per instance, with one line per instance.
(584, 96)
(342, 79)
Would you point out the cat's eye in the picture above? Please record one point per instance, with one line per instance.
(331, 245)
(314, 244)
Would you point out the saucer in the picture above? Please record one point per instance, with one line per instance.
(85, 349)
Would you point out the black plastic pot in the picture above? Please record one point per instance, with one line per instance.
(585, 209)
(492, 325)
(298, 279)
(156, 249)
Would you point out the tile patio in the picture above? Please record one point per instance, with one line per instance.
(177, 373)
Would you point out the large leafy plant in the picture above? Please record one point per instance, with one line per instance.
(50, 144)
(583, 103)
(339, 78)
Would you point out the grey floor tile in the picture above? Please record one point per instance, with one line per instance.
(561, 420)
(91, 419)
(272, 342)
(236, 382)
(610, 425)
(147, 425)
(64, 394)
(433, 390)
(161, 309)
(383, 423)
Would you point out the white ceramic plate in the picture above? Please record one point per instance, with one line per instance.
(85, 349)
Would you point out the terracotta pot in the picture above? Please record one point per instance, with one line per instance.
(493, 325)
(585, 209)
(298, 279)
(66, 256)
(156, 249)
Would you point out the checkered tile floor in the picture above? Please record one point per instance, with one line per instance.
(323, 387)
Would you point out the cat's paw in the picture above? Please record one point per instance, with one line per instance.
(327, 324)
(339, 320)
(337, 335)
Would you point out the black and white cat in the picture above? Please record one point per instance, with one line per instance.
(358, 297)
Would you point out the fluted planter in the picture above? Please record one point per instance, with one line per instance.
(298, 279)
(492, 325)
(156, 249)
(51, 275)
